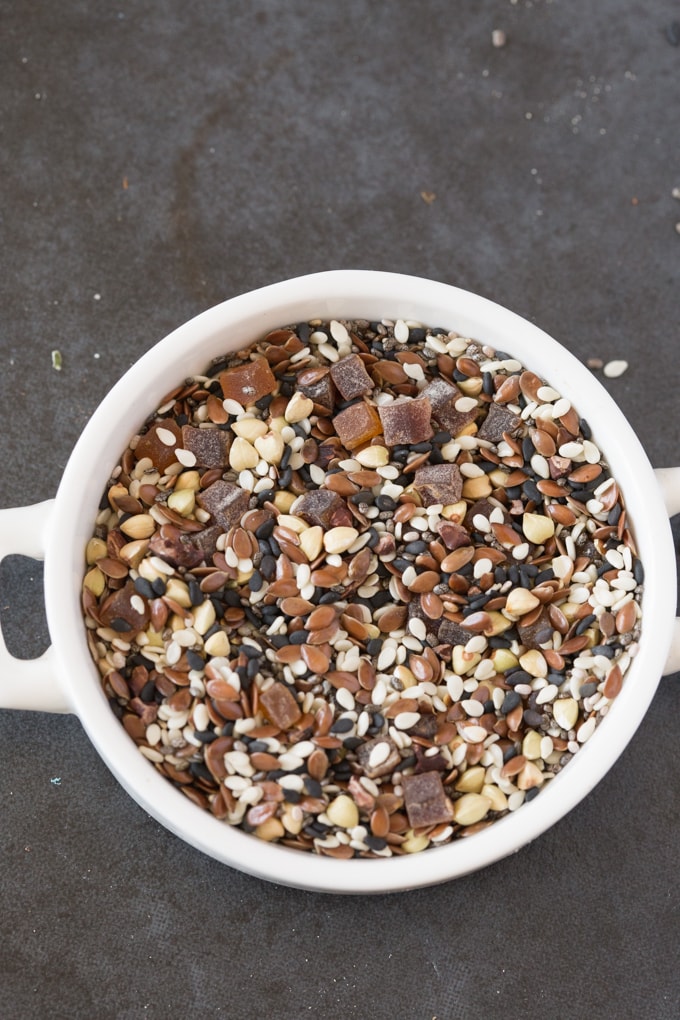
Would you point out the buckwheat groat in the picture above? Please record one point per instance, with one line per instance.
(362, 588)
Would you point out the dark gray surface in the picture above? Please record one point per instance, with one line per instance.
(157, 157)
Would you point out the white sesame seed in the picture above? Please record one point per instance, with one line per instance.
(613, 369)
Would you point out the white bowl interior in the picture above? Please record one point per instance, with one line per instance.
(237, 323)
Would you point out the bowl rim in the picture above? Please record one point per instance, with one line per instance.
(333, 294)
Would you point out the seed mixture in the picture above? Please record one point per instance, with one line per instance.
(362, 588)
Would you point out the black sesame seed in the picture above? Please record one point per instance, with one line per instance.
(255, 582)
(120, 625)
(200, 771)
(519, 676)
(205, 736)
(607, 650)
(148, 692)
(143, 588)
(313, 787)
(351, 743)
(194, 660)
(511, 700)
(268, 567)
(343, 725)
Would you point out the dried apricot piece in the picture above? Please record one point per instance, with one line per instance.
(357, 425)
(280, 706)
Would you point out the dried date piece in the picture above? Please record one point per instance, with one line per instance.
(176, 547)
(407, 421)
(539, 630)
(325, 508)
(451, 633)
(125, 610)
(378, 757)
(453, 535)
(425, 800)
(351, 377)
(225, 502)
(248, 382)
(443, 396)
(438, 483)
(317, 385)
(209, 446)
(498, 420)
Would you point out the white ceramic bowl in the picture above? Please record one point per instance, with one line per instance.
(65, 678)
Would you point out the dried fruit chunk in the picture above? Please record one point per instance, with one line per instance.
(406, 421)
(209, 446)
(206, 541)
(325, 508)
(443, 396)
(378, 757)
(175, 547)
(159, 443)
(453, 535)
(357, 425)
(536, 633)
(225, 502)
(451, 633)
(350, 377)
(493, 513)
(498, 420)
(439, 483)
(425, 801)
(125, 610)
(316, 383)
(248, 382)
(280, 706)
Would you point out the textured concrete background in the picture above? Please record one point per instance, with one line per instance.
(157, 157)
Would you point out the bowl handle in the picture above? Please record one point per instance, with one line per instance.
(669, 480)
(28, 683)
